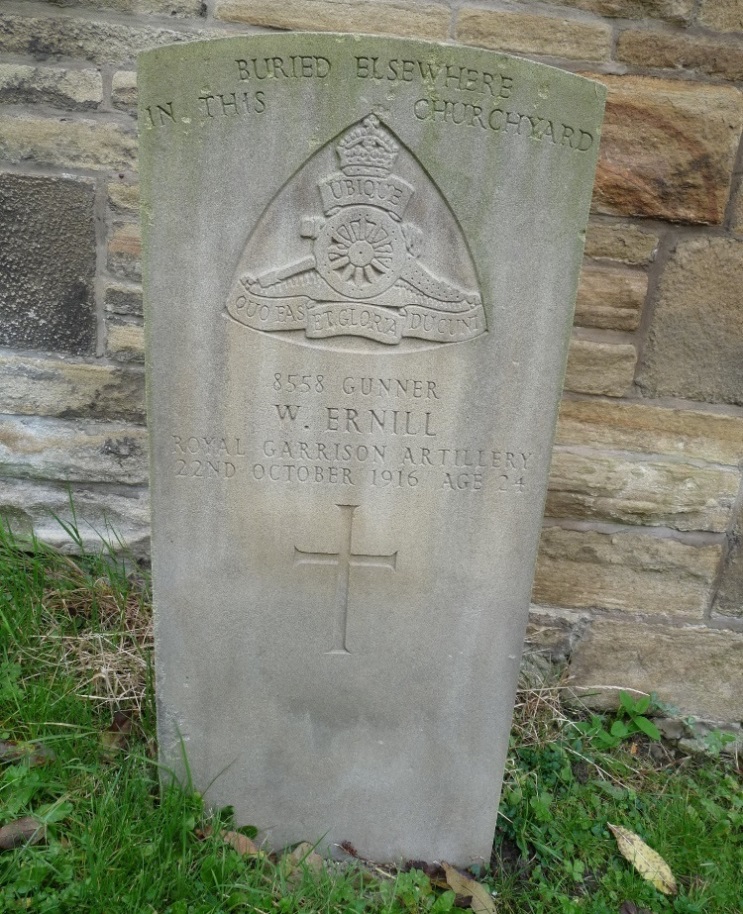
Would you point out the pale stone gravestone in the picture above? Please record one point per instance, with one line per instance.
(361, 257)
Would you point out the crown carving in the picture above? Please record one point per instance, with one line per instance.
(367, 149)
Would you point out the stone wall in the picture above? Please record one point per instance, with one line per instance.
(640, 575)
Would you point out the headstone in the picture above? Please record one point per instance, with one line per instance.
(361, 257)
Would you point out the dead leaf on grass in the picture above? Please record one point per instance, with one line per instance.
(117, 735)
(304, 854)
(629, 907)
(237, 840)
(481, 901)
(241, 843)
(28, 830)
(435, 873)
(648, 863)
(36, 753)
(202, 833)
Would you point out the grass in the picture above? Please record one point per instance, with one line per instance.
(77, 753)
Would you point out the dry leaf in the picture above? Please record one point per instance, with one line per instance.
(241, 843)
(481, 901)
(629, 907)
(430, 869)
(36, 753)
(27, 830)
(649, 864)
(117, 735)
(305, 854)
(435, 873)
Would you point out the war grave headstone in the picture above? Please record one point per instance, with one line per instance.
(361, 257)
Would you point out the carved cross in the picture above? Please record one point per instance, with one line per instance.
(344, 559)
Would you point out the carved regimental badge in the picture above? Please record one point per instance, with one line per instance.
(362, 269)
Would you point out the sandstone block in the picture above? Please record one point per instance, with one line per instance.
(77, 90)
(80, 450)
(696, 337)
(610, 298)
(47, 263)
(99, 41)
(729, 597)
(673, 52)
(105, 520)
(667, 148)
(395, 17)
(125, 252)
(527, 33)
(156, 7)
(554, 633)
(696, 669)
(124, 91)
(123, 300)
(600, 368)
(672, 10)
(689, 434)
(125, 341)
(63, 143)
(123, 198)
(630, 570)
(623, 242)
(70, 389)
(595, 486)
(723, 15)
